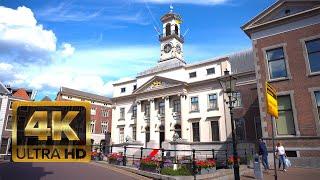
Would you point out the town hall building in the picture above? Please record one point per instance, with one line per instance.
(185, 99)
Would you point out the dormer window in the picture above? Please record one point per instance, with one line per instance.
(287, 11)
(123, 90)
(193, 74)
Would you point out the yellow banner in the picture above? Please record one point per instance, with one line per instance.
(271, 100)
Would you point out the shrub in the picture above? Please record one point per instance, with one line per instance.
(115, 157)
(182, 171)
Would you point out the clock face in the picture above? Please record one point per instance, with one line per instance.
(178, 48)
(167, 48)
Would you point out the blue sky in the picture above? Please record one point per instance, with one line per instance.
(90, 44)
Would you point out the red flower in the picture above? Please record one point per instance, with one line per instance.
(206, 163)
(231, 160)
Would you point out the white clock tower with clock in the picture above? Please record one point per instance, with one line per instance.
(171, 40)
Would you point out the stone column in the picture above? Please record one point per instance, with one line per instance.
(167, 120)
(153, 120)
(185, 130)
(139, 122)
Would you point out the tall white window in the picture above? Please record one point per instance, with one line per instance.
(9, 122)
(176, 106)
(134, 111)
(194, 104)
(93, 111)
(105, 113)
(104, 126)
(92, 126)
(122, 110)
(285, 122)
(238, 102)
(134, 133)
(121, 135)
(147, 110)
(213, 101)
(313, 48)
(161, 107)
(276, 63)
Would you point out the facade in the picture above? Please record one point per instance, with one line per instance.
(7, 96)
(286, 45)
(176, 97)
(101, 112)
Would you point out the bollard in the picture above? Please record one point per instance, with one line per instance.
(124, 156)
(194, 161)
(141, 153)
(257, 168)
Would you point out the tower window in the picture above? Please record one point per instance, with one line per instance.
(176, 29)
(123, 90)
(168, 29)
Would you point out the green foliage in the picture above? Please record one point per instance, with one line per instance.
(182, 171)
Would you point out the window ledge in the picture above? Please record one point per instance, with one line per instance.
(213, 109)
(9, 130)
(313, 74)
(121, 119)
(197, 111)
(279, 79)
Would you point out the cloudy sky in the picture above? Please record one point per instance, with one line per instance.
(90, 44)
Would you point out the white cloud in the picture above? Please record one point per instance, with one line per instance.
(67, 50)
(21, 38)
(197, 2)
(5, 67)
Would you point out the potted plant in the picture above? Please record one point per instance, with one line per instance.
(206, 166)
(231, 161)
(115, 158)
(149, 164)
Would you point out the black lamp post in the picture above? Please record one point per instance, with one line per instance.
(228, 83)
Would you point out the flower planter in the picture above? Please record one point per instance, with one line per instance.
(149, 169)
(207, 171)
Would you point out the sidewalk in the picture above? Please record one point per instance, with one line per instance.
(291, 174)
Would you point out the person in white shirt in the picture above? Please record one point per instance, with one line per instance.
(281, 153)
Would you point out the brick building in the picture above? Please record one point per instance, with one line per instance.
(286, 44)
(7, 96)
(101, 112)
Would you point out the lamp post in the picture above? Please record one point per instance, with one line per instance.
(228, 83)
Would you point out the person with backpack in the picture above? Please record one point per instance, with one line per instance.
(263, 151)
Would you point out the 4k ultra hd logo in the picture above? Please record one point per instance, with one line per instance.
(51, 132)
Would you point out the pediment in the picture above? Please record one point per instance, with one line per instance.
(157, 83)
(281, 9)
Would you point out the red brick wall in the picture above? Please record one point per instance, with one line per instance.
(249, 109)
(299, 82)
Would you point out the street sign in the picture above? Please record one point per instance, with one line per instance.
(271, 100)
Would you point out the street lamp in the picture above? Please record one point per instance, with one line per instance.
(228, 83)
(175, 138)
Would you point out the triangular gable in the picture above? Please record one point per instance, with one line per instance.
(156, 83)
(280, 9)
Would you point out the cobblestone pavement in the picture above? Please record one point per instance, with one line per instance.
(290, 174)
(61, 171)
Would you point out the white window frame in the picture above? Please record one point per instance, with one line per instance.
(315, 109)
(217, 108)
(286, 60)
(198, 109)
(7, 122)
(306, 56)
(92, 130)
(93, 111)
(104, 126)
(294, 111)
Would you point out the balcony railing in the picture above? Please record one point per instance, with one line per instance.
(163, 37)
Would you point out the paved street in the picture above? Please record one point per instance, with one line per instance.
(291, 174)
(55, 171)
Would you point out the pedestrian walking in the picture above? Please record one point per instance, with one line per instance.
(263, 152)
(281, 154)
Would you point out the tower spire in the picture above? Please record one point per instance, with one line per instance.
(171, 8)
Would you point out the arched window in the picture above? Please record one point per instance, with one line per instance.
(176, 29)
(168, 29)
(177, 129)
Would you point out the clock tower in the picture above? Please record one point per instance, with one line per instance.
(171, 40)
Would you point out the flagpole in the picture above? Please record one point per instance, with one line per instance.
(273, 149)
